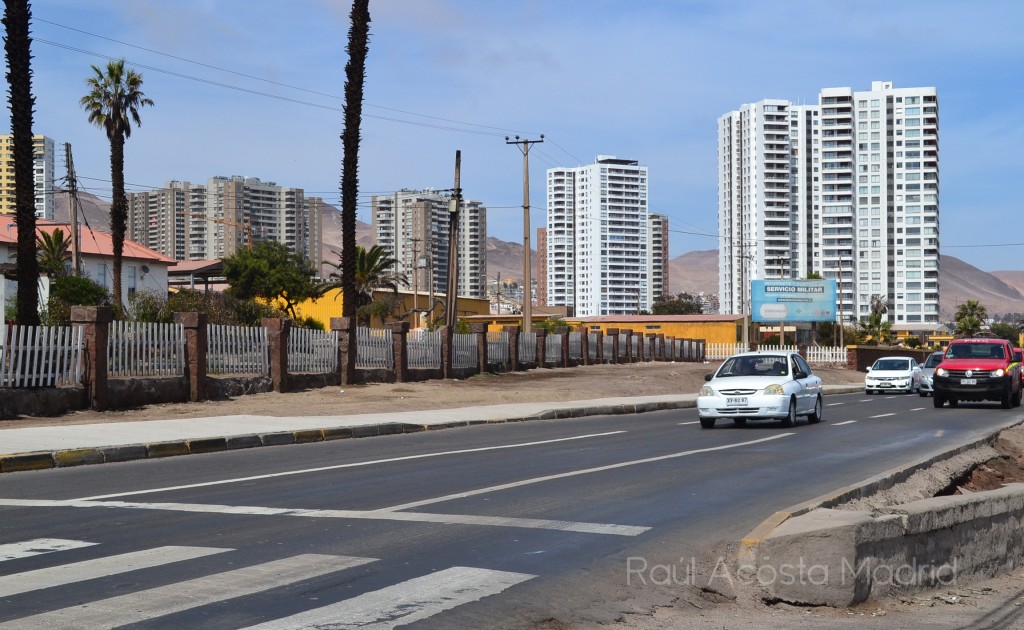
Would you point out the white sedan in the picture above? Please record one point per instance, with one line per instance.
(761, 385)
(893, 374)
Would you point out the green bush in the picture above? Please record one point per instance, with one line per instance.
(69, 291)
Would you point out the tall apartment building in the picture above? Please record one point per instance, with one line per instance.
(43, 175)
(847, 188)
(598, 254)
(414, 226)
(658, 259)
(206, 221)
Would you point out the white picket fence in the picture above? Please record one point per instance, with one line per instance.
(826, 355)
(374, 348)
(137, 349)
(816, 355)
(237, 350)
(40, 356)
(312, 351)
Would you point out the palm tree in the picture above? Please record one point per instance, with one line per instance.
(374, 270)
(17, 44)
(967, 325)
(113, 102)
(355, 75)
(54, 252)
(971, 308)
(877, 328)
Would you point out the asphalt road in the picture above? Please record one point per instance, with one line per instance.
(483, 527)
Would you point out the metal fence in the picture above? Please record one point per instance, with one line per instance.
(528, 347)
(145, 349)
(464, 350)
(40, 356)
(374, 348)
(312, 351)
(575, 346)
(609, 347)
(424, 347)
(497, 348)
(553, 348)
(237, 350)
(826, 355)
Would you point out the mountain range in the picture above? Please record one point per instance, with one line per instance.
(1001, 292)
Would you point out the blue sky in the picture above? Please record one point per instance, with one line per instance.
(644, 80)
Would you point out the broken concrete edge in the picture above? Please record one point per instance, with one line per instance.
(747, 554)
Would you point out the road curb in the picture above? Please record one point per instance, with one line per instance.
(747, 553)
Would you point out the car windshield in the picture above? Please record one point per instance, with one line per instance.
(975, 351)
(933, 360)
(755, 365)
(892, 364)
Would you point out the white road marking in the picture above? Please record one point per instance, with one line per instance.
(882, 415)
(352, 465)
(690, 422)
(839, 424)
(165, 600)
(919, 408)
(384, 515)
(865, 400)
(834, 404)
(13, 551)
(404, 603)
(575, 473)
(91, 569)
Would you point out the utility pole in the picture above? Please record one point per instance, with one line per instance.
(842, 317)
(72, 179)
(451, 316)
(524, 146)
(415, 281)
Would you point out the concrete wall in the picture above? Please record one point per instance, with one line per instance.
(838, 557)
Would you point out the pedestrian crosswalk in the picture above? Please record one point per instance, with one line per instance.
(388, 607)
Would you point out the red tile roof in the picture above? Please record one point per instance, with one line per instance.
(92, 241)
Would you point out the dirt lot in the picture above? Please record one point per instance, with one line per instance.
(543, 385)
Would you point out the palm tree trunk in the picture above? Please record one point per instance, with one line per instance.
(17, 15)
(355, 75)
(118, 215)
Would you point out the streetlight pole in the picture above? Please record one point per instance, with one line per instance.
(524, 146)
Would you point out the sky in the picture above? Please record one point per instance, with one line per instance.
(255, 88)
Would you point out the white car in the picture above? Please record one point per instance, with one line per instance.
(893, 374)
(761, 385)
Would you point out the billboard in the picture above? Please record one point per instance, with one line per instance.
(793, 300)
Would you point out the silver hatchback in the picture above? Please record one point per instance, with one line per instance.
(927, 370)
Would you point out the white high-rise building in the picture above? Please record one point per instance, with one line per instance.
(414, 226)
(598, 238)
(43, 173)
(848, 188)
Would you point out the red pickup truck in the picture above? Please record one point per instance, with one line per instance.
(978, 369)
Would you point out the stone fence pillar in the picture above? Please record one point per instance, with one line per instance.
(513, 347)
(479, 331)
(584, 346)
(195, 353)
(95, 321)
(599, 350)
(278, 330)
(660, 354)
(564, 332)
(346, 328)
(400, 348)
(629, 345)
(542, 345)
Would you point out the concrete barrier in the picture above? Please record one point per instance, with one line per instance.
(839, 558)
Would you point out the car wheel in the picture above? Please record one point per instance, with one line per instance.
(922, 394)
(707, 423)
(953, 402)
(1006, 400)
(790, 418)
(938, 400)
(740, 422)
(815, 416)
(868, 392)
(1017, 398)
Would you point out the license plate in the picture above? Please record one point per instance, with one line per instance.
(884, 385)
(968, 381)
(738, 401)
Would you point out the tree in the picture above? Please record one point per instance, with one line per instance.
(17, 46)
(113, 102)
(876, 328)
(814, 275)
(355, 75)
(68, 291)
(271, 272)
(967, 326)
(1007, 331)
(971, 308)
(374, 270)
(54, 252)
(681, 304)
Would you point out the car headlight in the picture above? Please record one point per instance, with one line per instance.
(706, 390)
(998, 373)
(774, 390)
(940, 372)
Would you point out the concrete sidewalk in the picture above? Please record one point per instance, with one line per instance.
(75, 445)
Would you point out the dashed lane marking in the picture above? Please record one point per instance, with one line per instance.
(882, 415)
(839, 424)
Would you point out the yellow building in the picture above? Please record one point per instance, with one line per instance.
(323, 309)
(711, 328)
(43, 167)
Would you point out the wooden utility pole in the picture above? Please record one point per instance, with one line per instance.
(415, 281)
(451, 315)
(72, 179)
(524, 146)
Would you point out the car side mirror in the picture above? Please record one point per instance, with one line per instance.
(799, 374)
(869, 368)
(708, 377)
